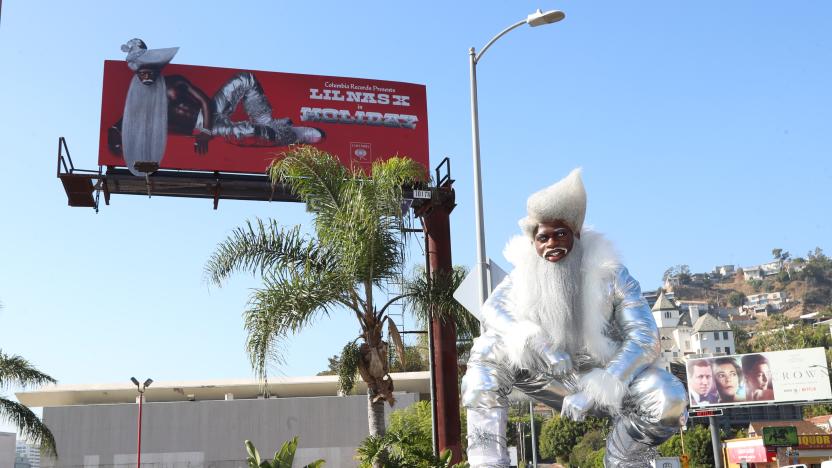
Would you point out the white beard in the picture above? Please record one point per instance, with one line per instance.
(144, 129)
(549, 294)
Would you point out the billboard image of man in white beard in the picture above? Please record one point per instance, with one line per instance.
(569, 328)
(157, 105)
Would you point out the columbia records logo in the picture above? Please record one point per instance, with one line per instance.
(361, 152)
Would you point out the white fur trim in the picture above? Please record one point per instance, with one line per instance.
(599, 264)
(564, 200)
(604, 389)
(517, 249)
(525, 335)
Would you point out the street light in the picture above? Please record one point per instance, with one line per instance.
(537, 18)
(141, 388)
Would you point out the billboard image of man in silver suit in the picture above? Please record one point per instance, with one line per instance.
(569, 328)
(159, 104)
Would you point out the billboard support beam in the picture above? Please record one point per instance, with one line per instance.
(715, 442)
(436, 221)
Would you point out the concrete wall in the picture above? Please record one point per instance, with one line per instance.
(7, 449)
(210, 434)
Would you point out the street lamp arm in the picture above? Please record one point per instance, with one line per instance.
(494, 39)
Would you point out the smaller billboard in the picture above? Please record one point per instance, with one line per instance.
(782, 436)
(768, 377)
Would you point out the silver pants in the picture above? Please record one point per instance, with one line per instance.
(244, 88)
(653, 410)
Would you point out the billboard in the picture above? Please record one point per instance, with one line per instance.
(768, 377)
(229, 120)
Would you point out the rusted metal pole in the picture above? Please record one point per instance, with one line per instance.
(438, 233)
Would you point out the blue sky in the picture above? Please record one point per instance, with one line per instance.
(702, 128)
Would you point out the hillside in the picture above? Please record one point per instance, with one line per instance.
(808, 286)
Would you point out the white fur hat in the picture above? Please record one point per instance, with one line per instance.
(138, 56)
(564, 200)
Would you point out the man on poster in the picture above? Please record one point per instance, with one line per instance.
(569, 328)
(701, 382)
(155, 107)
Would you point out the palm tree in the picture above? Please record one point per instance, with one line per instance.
(355, 247)
(433, 298)
(18, 372)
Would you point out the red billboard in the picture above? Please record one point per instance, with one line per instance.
(229, 120)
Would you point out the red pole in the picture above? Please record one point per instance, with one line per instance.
(438, 233)
(139, 448)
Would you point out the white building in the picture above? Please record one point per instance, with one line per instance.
(725, 270)
(7, 449)
(773, 300)
(771, 268)
(203, 424)
(752, 273)
(29, 452)
(695, 309)
(674, 330)
(712, 336)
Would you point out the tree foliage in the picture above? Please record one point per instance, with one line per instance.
(283, 458)
(697, 445)
(15, 371)
(408, 441)
(586, 452)
(559, 435)
(354, 250)
(736, 299)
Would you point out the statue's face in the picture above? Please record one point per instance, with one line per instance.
(147, 76)
(553, 240)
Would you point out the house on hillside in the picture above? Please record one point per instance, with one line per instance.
(712, 336)
(675, 329)
(771, 268)
(771, 301)
(695, 309)
(752, 273)
(725, 271)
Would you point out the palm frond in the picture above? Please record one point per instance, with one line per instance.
(434, 298)
(287, 303)
(28, 423)
(313, 175)
(15, 370)
(260, 247)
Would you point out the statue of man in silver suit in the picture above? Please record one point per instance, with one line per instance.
(569, 328)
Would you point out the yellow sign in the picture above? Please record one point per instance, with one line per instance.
(684, 459)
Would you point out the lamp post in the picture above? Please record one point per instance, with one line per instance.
(537, 18)
(141, 388)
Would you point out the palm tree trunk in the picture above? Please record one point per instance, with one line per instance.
(375, 415)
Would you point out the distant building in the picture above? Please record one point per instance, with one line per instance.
(824, 422)
(712, 336)
(7, 449)
(771, 268)
(752, 273)
(793, 267)
(674, 330)
(771, 301)
(204, 424)
(696, 309)
(28, 452)
(725, 270)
